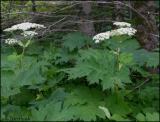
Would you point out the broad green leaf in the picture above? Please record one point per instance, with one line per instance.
(30, 76)
(84, 102)
(118, 117)
(143, 56)
(79, 104)
(75, 40)
(140, 117)
(97, 66)
(63, 56)
(149, 94)
(16, 113)
(8, 86)
(152, 116)
(148, 116)
(14, 57)
(126, 58)
(125, 43)
(117, 105)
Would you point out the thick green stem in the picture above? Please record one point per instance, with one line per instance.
(117, 60)
(117, 67)
(22, 54)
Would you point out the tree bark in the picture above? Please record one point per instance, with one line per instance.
(87, 28)
(145, 32)
(118, 12)
(35, 18)
(33, 6)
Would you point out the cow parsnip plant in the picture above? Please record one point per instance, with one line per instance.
(83, 80)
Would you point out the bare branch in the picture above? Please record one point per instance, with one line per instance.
(54, 24)
(140, 85)
(48, 14)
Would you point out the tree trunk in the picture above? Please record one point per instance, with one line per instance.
(86, 27)
(118, 12)
(146, 32)
(34, 17)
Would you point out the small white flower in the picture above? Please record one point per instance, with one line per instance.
(11, 41)
(123, 31)
(122, 24)
(97, 41)
(24, 26)
(117, 32)
(29, 33)
(101, 36)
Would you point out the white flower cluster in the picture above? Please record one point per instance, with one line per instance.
(29, 33)
(101, 36)
(24, 26)
(11, 41)
(123, 31)
(122, 24)
(120, 31)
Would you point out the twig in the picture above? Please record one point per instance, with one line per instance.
(70, 6)
(54, 24)
(140, 85)
(88, 21)
(37, 13)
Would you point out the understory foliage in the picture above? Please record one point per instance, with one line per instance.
(80, 80)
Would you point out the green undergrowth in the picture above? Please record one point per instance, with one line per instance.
(72, 78)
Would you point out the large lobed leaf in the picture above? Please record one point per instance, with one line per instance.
(100, 67)
(75, 40)
(79, 104)
(15, 77)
